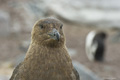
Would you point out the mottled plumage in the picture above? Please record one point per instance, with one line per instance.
(47, 57)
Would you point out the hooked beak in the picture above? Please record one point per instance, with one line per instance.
(54, 34)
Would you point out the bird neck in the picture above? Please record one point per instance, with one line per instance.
(46, 52)
(48, 61)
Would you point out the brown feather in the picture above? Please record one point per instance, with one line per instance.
(46, 58)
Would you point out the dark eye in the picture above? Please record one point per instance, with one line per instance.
(61, 26)
(41, 26)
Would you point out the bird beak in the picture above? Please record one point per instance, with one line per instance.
(54, 34)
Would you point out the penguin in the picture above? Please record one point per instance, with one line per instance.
(95, 45)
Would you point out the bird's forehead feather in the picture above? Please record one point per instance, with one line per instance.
(49, 21)
(52, 22)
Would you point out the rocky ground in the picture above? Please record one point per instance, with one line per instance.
(10, 49)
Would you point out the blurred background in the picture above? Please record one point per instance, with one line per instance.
(17, 18)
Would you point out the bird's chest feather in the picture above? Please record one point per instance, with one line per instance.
(54, 64)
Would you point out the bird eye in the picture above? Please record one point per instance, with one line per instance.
(61, 26)
(41, 26)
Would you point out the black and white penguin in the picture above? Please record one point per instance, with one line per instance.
(95, 45)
